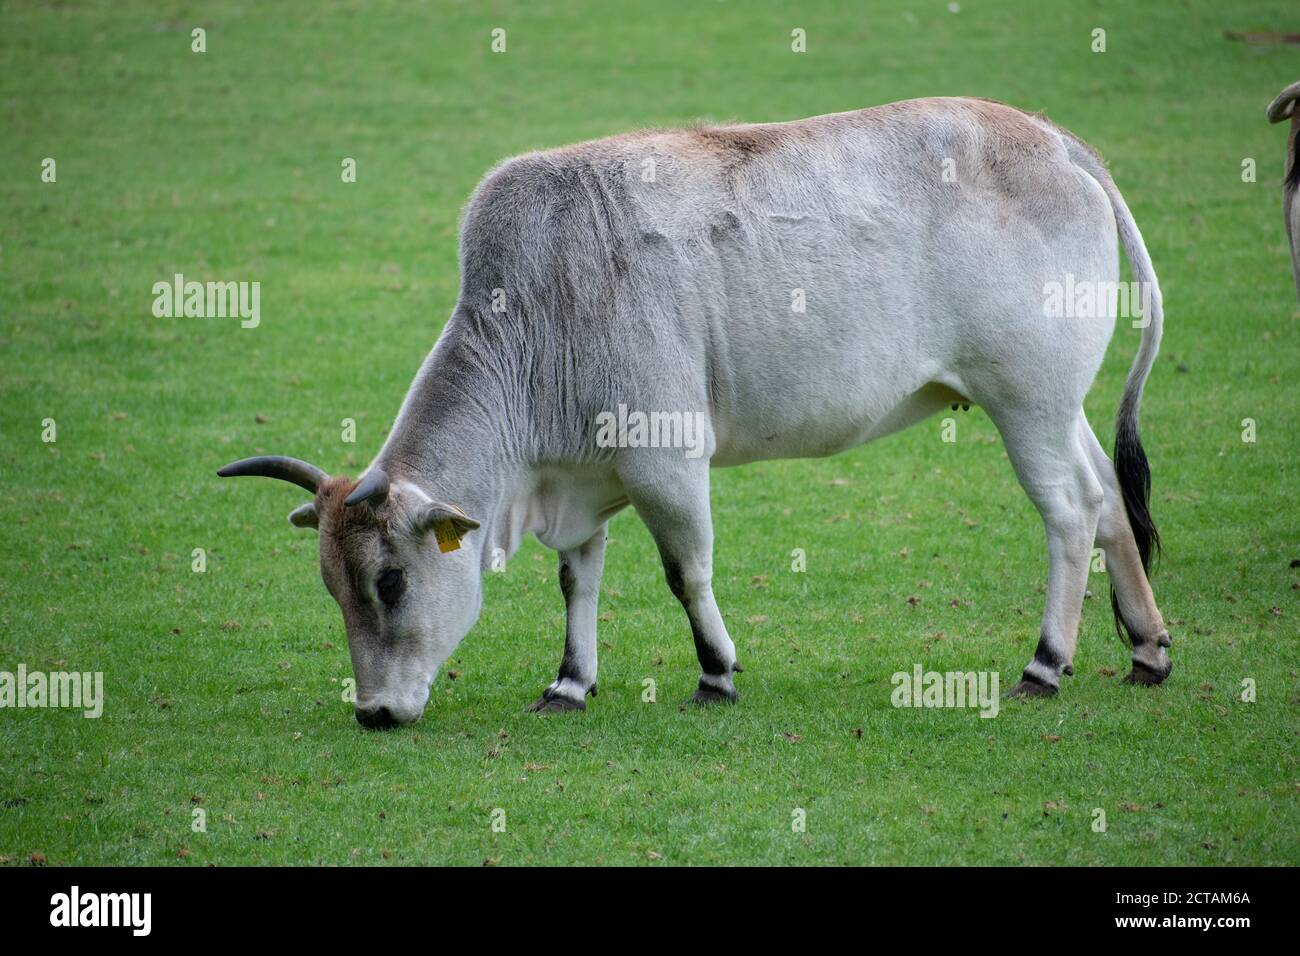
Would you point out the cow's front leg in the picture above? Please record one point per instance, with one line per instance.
(677, 513)
(580, 570)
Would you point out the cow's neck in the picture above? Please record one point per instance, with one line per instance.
(457, 438)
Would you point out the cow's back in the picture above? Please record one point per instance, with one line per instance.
(798, 279)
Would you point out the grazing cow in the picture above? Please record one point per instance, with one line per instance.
(1284, 107)
(654, 274)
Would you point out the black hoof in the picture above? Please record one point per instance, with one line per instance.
(555, 705)
(705, 694)
(1031, 688)
(1141, 674)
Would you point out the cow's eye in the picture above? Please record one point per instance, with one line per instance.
(390, 586)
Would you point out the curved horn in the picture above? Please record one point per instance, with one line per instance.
(277, 466)
(1284, 104)
(373, 488)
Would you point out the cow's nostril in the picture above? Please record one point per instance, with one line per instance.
(378, 718)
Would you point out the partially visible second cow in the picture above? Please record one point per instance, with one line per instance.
(790, 290)
(1282, 108)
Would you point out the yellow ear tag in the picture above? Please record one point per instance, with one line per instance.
(448, 539)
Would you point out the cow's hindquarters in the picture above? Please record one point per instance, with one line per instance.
(1076, 487)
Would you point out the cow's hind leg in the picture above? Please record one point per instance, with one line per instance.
(674, 504)
(1135, 605)
(580, 571)
(1054, 468)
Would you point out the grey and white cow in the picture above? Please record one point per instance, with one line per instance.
(1282, 108)
(657, 270)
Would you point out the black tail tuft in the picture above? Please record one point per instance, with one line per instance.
(1134, 476)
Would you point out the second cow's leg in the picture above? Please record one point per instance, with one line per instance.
(580, 570)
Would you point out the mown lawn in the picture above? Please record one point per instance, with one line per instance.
(224, 688)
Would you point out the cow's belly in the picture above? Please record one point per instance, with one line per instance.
(855, 365)
(844, 391)
(741, 442)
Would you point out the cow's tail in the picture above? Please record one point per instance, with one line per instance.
(1131, 466)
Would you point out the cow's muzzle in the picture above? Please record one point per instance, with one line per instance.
(377, 718)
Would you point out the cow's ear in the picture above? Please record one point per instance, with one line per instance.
(304, 516)
(447, 522)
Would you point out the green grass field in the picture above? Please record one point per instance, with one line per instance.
(223, 688)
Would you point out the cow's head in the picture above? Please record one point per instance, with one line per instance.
(391, 556)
